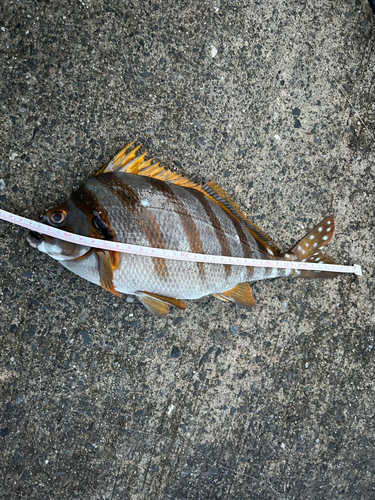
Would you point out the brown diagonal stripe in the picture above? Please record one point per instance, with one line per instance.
(222, 198)
(145, 218)
(243, 239)
(88, 206)
(219, 232)
(186, 219)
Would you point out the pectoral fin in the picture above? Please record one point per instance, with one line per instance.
(158, 304)
(106, 271)
(240, 294)
(115, 259)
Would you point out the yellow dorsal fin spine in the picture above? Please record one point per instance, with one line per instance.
(153, 171)
(117, 158)
(133, 164)
(120, 160)
(147, 164)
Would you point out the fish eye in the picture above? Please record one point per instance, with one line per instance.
(57, 217)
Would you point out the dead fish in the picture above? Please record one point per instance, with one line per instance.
(134, 201)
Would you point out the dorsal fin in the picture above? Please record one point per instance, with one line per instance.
(133, 164)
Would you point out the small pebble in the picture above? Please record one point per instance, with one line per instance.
(170, 409)
(217, 335)
(85, 336)
(214, 471)
(296, 112)
(234, 330)
(176, 353)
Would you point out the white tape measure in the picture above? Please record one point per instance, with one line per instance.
(170, 254)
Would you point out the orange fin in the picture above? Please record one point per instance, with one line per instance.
(222, 198)
(309, 249)
(106, 271)
(220, 297)
(133, 164)
(114, 258)
(240, 294)
(170, 300)
(157, 307)
(116, 160)
(158, 304)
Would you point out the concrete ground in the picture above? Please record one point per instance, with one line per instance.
(274, 101)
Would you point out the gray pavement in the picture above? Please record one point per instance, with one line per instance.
(274, 101)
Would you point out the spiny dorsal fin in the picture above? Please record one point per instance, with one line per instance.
(133, 164)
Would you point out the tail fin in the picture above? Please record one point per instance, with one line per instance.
(309, 249)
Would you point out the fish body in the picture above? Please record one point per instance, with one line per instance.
(134, 201)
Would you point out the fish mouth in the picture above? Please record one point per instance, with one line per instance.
(34, 238)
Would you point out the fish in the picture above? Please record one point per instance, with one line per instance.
(139, 202)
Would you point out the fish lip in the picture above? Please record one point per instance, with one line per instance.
(34, 239)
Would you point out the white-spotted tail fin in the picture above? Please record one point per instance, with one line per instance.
(309, 249)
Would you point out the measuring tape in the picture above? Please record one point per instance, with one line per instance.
(170, 254)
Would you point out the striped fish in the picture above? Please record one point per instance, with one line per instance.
(132, 200)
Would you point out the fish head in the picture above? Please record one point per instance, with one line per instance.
(81, 215)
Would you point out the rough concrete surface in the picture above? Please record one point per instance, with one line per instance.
(273, 100)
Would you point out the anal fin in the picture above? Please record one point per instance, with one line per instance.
(220, 297)
(106, 271)
(240, 294)
(158, 304)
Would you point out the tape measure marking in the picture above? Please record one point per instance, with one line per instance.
(170, 254)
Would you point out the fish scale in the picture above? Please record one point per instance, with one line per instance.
(140, 203)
